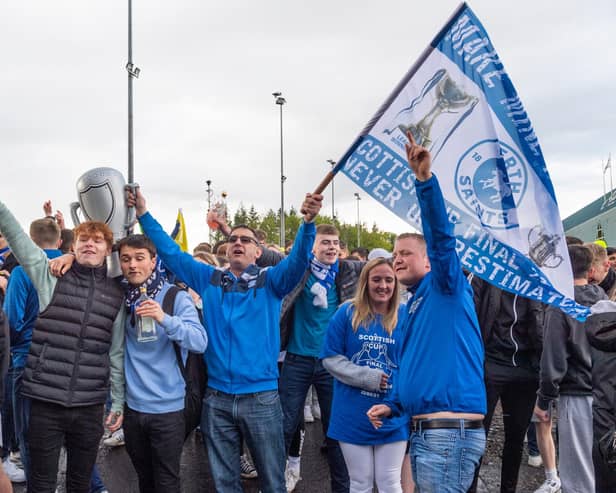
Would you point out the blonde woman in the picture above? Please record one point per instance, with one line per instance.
(360, 351)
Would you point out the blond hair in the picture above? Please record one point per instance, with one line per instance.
(364, 313)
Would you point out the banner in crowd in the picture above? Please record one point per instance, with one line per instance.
(458, 101)
(179, 232)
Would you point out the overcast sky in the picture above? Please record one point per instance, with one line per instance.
(204, 109)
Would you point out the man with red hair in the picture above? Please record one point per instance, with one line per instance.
(75, 345)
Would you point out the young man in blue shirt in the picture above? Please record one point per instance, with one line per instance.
(326, 284)
(153, 418)
(440, 382)
(241, 308)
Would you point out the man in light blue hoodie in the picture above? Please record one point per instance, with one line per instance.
(241, 308)
(153, 417)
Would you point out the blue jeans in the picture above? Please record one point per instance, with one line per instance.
(298, 373)
(444, 460)
(96, 482)
(258, 418)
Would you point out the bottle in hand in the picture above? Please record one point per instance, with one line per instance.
(146, 326)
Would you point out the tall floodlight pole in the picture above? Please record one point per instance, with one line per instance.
(358, 223)
(333, 165)
(133, 72)
(281, 101)
(209, 205)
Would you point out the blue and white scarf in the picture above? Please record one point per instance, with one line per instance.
(3, 254)
(326, 276)
(154, 284)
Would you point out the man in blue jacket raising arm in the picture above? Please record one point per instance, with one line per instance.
(241, 309)
(440, 382)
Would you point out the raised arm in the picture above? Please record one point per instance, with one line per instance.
(437, 230)
(31, 257)
(194, 274)
(287, 274)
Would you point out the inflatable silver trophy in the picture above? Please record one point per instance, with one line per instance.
(101, 197)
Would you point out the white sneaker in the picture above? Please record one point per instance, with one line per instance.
(308, 417)
(549, 486)
(535, 461)
(247, 469)
(14, 473)
(291, 478)
(116, 439)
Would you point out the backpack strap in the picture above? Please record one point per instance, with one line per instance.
(168, 304)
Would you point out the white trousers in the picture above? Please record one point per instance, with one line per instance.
(369, 464)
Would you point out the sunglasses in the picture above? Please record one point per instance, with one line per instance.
(244, 240)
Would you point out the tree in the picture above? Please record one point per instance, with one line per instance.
(241, 216)
(270, 225)
(253, 218)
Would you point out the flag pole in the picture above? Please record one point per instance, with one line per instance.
(401, 85)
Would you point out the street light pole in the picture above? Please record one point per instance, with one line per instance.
(209, 206)
(133, 73)
(358, 223)
(279, 100)
(333, 164)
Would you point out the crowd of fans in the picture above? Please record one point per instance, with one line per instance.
(402, 356)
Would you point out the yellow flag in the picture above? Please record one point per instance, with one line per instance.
(179, 232)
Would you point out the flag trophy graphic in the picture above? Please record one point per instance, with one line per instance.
(434, 115)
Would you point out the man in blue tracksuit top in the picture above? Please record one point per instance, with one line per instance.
(440, 383)
(241, 309)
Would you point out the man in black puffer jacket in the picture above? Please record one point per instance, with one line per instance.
(601, 332)
(76, 343)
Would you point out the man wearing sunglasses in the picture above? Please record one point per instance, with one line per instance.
(241, 309)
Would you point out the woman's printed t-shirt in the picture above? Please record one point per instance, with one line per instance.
(370, 346)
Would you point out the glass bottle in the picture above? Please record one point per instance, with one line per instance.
(146, 326)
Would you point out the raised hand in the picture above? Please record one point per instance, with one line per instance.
(419, 159)
(311, 206)
(135, 199)
(60, 219)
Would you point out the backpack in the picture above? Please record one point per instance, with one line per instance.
(194, 373)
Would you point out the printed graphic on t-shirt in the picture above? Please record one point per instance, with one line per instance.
(374, 353)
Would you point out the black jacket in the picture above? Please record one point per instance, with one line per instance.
(601, 332)
(512, 331)
(68, 362)
(566, 361)
(346, 282)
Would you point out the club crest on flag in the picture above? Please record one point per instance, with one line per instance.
(490, 181)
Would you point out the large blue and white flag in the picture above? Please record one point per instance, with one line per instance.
(459, 102)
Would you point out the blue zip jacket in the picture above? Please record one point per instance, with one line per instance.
(441, 363)
(241, 314)
(21, 306)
